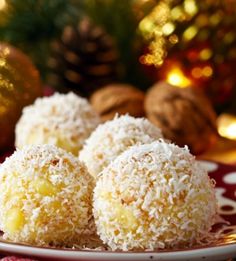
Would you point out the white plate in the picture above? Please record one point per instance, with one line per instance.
(225, 176)
(210, 253)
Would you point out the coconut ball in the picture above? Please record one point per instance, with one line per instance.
(45, 197)
(64, 120)
(154, 196)
(113, 137)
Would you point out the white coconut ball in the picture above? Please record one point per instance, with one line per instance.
(114, 137)
(64, 120)
(46, 197)
(154, 196)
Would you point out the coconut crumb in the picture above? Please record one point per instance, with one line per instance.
(64, 120)
(113, 137)
(154, 196)
(45, 197)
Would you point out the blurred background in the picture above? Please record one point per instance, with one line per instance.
(169, 60)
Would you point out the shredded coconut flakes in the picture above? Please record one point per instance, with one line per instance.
(113, 137)
(154, 196)
(62, 214)
(64, 120)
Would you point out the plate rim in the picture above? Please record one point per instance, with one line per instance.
(228, 249)
(28, 246)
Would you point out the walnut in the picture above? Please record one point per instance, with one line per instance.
(185, 115)
(118, 98)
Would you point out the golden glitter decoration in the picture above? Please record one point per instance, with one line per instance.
(19, 86)
(154, 27)
(161, 27)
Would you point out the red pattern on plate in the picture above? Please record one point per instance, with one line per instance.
(230, 189)
(14, 258)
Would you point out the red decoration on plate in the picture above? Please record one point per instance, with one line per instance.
(14, 258)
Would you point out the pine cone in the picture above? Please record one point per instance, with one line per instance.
(84, 59)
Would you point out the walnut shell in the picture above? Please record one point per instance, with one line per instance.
(118, 98)
(185, 115)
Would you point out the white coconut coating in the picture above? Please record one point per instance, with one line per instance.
(114, 137)
(154, 196)
(45, 197)
(64, 120)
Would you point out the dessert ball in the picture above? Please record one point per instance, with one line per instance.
(114, 137)
(154, 196)
(185, 116)
(64, 120)
(118, 98)
(45, 197)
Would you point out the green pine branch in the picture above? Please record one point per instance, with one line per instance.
(31, 25)
(120, 21)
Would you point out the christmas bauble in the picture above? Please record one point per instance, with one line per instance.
(184, 115)
(19, 86)
(118, 98)
(83, 59)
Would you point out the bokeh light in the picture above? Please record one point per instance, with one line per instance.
(176, 77)
(227, 126)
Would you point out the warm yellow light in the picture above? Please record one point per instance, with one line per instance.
(227, 126)
(177, 13)
(146, 26)
(177, 78)
(190, 7)
(197, 72)
(2, 4)
(173, 39)
(229, 37)
(207, 71)
(168, 28)
(205, 54)
(216, 18)
(190, 33)
(155, 27)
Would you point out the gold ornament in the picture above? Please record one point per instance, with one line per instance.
(19, 86)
